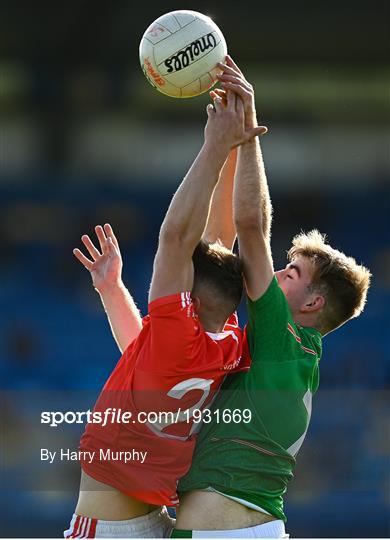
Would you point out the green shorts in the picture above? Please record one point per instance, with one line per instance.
(181, 533)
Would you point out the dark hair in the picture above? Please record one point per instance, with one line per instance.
(218, 277)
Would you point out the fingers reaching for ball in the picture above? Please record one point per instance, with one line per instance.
(217, 103)
(232, 79)
(219, 92)
(210, 109)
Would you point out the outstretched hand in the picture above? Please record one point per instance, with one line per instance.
(226, 127)
(234, 80)
(106, 264)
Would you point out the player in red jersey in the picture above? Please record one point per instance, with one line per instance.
(189, 341)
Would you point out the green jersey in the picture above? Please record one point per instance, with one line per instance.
(253, 461)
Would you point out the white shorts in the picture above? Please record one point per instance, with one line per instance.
(272, 529)
(156, 524)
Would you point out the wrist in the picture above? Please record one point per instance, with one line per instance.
(250, 146)
(111, 288)
(251, 120)
(218, 152)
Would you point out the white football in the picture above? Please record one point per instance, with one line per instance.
(179, 53)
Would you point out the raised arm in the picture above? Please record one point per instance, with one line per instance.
(220, 226)
(252, 203)
(188, 212)
(106, 272)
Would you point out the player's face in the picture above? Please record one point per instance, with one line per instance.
(294, 281)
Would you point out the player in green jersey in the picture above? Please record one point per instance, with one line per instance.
(240, 469)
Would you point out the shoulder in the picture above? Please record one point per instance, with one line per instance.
(268, 315)
(310, 340)
(304, 340)
(179, 301)
(273, 297)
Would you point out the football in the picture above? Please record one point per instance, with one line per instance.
(179, 53)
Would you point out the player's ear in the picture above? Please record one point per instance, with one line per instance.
(314, 303)
(196, 302)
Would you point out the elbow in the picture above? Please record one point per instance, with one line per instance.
(170, 234)
(173, 235)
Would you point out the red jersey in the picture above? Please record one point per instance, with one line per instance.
(173, 367)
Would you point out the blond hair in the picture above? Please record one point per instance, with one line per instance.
(340, 279)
